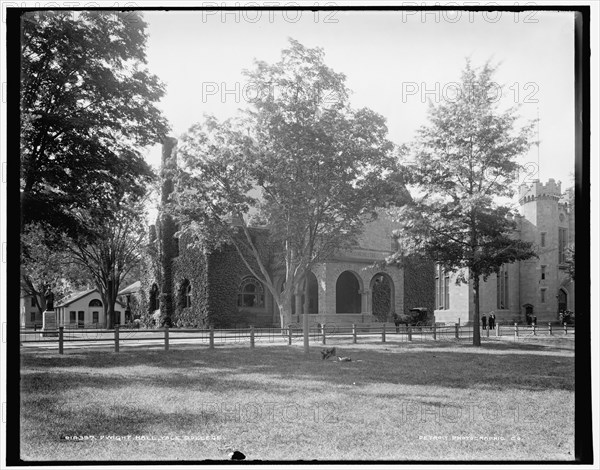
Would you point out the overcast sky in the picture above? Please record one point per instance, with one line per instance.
(393, 61)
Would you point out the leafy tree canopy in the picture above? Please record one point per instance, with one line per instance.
(464, 162)
(301, 161)
(88, 106)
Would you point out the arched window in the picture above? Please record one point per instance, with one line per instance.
(251, 293)
(95, 303)
(154, 298)
(185, 294)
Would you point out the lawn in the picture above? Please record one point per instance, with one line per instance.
(429, 401)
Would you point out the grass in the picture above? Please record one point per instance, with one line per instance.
(429, 401)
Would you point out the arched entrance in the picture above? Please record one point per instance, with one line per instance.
(347, 293)
(528, 313)
(562, 300)
(382, 298)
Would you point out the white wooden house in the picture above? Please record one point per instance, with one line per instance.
(86, 310)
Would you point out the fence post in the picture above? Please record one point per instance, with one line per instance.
(323, 333)
(456, 330)
(565, 326)
(251, 336)
(516, 330)
(550, 328)
(409, 328)
(353, 333)
(60, 339)
(166, 337)
(383, 333)
(211, 337)
(434, 332)
(117, 338)
(289, 335)
(497, 329)
(487, 331)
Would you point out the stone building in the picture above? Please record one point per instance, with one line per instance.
(201, 288)
(538, 287)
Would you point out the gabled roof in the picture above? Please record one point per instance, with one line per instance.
(131, 289)
(80, 295)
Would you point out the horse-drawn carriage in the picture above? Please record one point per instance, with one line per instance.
(416, 317)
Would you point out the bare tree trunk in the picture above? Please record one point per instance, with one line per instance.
(305, 316)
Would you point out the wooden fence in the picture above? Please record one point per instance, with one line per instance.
(323, 334)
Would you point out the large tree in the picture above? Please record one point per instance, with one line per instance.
(113, 251)
(87, 107)
(464, 164)
(45, 263)
(301, 162)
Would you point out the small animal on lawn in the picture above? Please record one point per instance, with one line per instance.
(344, 359)
(327, 353)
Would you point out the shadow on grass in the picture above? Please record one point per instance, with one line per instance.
(496, 365)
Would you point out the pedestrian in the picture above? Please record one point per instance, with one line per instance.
(492, 321)
(483, 321)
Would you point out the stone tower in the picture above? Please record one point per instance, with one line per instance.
(167, 228)
(545, 223)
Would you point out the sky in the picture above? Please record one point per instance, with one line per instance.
(394, 63)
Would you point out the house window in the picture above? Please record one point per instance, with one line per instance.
(543, 239)
(72, 317)
(95, 317)
(502, 289)
(251, 293)
(32, 316)
(33, 301)
(543, 276)
(543, 296)
(562, 245)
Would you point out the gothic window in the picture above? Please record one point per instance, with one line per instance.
(502, 289)
(562, 245)
(188, 295)
(184, 294)
(154, 298)
(543, 239)
(543, 276)
(251, 293)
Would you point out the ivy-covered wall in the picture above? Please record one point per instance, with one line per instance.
(419, 285)
(191, 266)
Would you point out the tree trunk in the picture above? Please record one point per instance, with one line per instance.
(305, 313)
(109, 311)
(285, 308)
(475, 319)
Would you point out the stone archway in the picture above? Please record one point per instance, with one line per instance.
(348, 293)
(382, 296)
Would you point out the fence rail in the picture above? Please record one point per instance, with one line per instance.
(318, 334)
